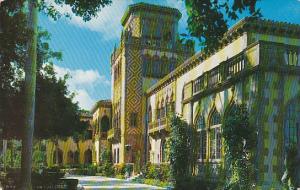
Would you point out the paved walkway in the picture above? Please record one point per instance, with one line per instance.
(98, 182)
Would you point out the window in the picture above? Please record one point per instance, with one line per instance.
(163, 151)
(162, 110)
(292, 57)
(146, 70)
(133, 120)
(156, 66)
(203, 136)
(201, 122)
(203, 140)
(149, 114)
(215, 135)
(118, 155)
(291, 125)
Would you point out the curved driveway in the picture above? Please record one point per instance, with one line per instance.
(98, 182)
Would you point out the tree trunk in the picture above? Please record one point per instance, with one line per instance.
(56, 151)
(30, 85)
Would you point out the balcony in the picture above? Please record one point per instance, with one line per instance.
(219, 74)
(159, 127)
(113, 134)
(259, 56)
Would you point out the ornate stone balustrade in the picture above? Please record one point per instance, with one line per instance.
(161, 125)
(113, 134)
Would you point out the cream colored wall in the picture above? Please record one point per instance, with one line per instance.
(65, 147)
(157, 97)
(271, 38)
(227, 52)
(155, 150)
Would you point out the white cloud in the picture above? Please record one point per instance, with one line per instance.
(80, 82)
(84, 99)
(180, 5)
(107, 22)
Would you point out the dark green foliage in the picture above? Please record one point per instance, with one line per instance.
(13, 36)
(292, 163)
(82, 8)
(106, 169)
(183, 150)
(160, 172)
(239, 142)
(208, 20)
(56, 114)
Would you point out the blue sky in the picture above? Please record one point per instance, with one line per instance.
(86, 47)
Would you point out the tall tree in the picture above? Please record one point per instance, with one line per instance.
(83, 8)
(29, 109)
(208, 19)
(86, 9)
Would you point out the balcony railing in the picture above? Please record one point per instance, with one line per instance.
(160, 125)
(268, 54)
(222, 72)
(110, 133)
(113, 134)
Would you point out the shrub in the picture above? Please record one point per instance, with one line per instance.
(290, 181)
(239, 143)
(120, 169)
(128, 169)
(91, 170)
(183, 150)
(106, 169)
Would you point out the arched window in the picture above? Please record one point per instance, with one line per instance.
(164, 61)
(291, 125)
(156, 66)
(88, 156)
(163, 153)
(215, 135)
(149, 114)
(146, 69)
(173, 62)
(76, 157)
(70, 157)
(203, 137)
(167, 106)
(104, 124)
(158, 110)
(58, 157)
(162, 109)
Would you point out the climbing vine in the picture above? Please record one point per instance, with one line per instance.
(291, 167)
(239, 143)
(183, 151)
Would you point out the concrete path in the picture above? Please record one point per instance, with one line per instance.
(98, 182)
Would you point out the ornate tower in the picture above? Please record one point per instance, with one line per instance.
(148, 51)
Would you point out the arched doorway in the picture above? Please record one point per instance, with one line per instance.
(76, 157)
(70, 157)
(104, 127)
(58, 157)
(88, 156)
(163, 151)
(104, 124)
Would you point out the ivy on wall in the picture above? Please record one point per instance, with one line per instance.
(183, 150)
(292, 163)
(239, 143)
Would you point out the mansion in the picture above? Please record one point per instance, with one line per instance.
(154, 75)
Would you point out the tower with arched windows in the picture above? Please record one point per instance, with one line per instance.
(148, 51)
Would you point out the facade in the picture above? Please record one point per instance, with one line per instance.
(72, 152)
(154, 75)
(258, 64)
(148, 51)
(101, 123)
